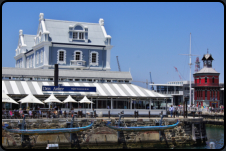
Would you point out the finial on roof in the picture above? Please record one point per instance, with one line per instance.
(21, 32)
(41, 16)
(207, 50)
(101, 21)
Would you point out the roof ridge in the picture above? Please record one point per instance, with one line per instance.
(69, 21)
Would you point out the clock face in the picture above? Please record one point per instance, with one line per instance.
(209, 62)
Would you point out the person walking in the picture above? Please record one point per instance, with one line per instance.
(171, 110)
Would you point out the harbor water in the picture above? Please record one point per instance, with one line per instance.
(214, 134)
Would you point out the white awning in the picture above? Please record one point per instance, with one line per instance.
(102, 89)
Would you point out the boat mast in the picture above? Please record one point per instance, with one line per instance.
(190, 68)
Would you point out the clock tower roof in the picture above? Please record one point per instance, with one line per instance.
(207, 57)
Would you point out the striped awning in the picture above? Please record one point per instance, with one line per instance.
(103, 89)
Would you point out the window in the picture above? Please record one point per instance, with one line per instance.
(37, 57)
(75, 35)
(81, 35)
(199, 80)
(41, 56)
(205, 93)
(94, 58)
(213, 80)
(61, 56)
(108, 80)
(77, 79)
(77, 32)
(94, 55)
(78, 55)
(205, 79)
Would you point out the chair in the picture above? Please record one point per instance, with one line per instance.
(44, 114)
(4, 114)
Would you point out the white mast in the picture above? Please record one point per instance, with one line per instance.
(190, 69)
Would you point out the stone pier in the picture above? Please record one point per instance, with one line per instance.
(188, 132)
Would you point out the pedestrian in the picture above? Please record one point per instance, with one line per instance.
(177, 110)
(171, 110)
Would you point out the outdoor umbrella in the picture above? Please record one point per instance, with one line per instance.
(30, 99)
(51, 99)
(7, 99)
(85, 100)
(69, 99)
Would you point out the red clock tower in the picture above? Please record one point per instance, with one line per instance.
(206, 88)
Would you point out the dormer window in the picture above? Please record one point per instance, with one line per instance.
(78, 32)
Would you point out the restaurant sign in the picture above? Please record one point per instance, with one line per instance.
(68, 88)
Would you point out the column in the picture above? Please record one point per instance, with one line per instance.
(46, 55)
(91, 103)
(111, 104)
(150, 104)
(130, 103)
(108, 52)
(34, 59)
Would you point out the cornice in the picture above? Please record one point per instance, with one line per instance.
(41, 45)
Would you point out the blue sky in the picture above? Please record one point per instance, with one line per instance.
(147, 37)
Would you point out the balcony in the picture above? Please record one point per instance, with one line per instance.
(78, 63)
(206, 84)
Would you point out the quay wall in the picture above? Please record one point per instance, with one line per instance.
(186, 133)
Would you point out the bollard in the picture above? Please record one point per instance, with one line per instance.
(193, 114)
(212, 145)
(149, 114)
(134, 114)
(108, 114)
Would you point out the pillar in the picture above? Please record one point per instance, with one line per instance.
(130, 103)
(91, 103)
(111, 104)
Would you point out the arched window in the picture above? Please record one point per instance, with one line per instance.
(205, 79)
(213, 80)
(94, 58)
(78, 32)
(78, 55)
(61, 56)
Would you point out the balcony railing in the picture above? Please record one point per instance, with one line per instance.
(78, 63)
(206, 84)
